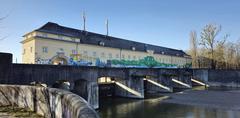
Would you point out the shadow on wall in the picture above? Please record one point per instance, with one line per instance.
(48, 102)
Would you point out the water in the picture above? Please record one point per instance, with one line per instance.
(153, 107)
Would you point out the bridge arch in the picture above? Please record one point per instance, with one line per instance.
(62, 84)
(59, 59)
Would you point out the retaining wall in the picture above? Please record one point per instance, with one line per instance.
(48, 102)
(225, 78)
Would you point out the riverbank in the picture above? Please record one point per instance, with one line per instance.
(229, 100)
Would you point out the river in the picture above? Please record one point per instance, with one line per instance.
(154, 107)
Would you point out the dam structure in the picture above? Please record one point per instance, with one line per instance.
(86, 81)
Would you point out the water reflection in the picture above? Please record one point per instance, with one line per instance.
(153, 108)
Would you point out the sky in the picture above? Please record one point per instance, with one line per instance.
(160, 22)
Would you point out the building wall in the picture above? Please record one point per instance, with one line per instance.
(28, 51)
(53, 47)
(69, 47)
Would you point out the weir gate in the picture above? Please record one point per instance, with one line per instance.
(87, 80)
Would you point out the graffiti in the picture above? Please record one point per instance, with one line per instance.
(147, 61)
(80, 62)
(100, 63)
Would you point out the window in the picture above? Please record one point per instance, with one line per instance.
(129, 57)
(61, 49)
(85, 53)
(123, 56)
(150, 51)
(44, 35)
(94, 54)
(74, 51)
(60, 37)
(110, 55)
(28, 36)
(24, 51)
(101, 43)
(134, 57)
(103, 54)
(73, 39)
(117, 55)
(133, 48)
(45, 50)
(31, 49)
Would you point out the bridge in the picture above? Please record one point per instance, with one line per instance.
(84, 80)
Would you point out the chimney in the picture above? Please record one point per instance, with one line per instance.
(84, 21)
(107, 27)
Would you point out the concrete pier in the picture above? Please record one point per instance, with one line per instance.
(156, 85)
(87, 90)
(132, 87)
(182, 80)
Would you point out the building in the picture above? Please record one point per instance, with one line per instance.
(55, 44)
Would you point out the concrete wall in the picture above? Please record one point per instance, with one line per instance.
(181, 75)
(200, 74)
(5, 67)
(166, 83)
(49, 74)
(185, 79)
(87, 90)
(228, 78)
(132, 87)
(49, 102)
(24, 74)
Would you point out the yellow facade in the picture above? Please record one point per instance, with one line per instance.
(44, 48)
(28, 55)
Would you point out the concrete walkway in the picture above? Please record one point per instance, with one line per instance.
(216, 99)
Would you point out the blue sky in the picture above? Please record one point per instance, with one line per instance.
(160, 22)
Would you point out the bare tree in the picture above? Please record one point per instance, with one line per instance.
(193, 48)
(230, 55)
(238, 53)
(213, 52)
(219, 54)
(208, 40)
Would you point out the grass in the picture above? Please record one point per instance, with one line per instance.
(18, 112)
